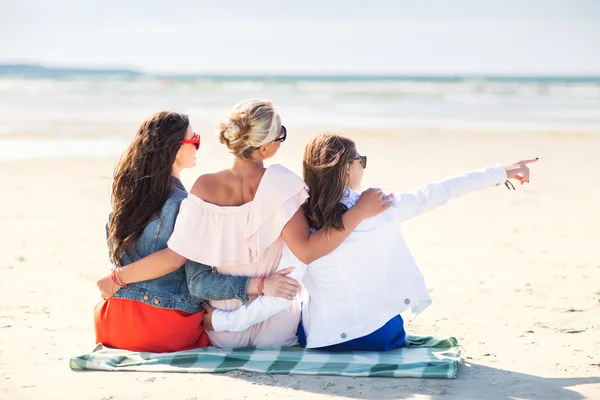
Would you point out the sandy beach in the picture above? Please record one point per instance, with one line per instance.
(514, 276)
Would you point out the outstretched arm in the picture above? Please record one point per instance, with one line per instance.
(410, 204)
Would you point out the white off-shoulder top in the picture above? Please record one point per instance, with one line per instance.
(244, 241)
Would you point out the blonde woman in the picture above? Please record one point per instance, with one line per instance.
(238, 219)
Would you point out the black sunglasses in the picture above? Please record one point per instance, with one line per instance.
(283, 135)
(363, 161)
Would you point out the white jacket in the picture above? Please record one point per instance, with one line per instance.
(370, 278)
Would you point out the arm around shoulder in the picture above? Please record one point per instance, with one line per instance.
(154, 266)
(307, 246)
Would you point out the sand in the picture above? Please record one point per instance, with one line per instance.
(515, 276)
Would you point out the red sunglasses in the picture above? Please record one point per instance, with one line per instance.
(195, 140)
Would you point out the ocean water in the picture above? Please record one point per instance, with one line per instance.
(73, 108)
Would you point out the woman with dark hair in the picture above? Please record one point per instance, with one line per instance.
(357, 292)
(158, 314)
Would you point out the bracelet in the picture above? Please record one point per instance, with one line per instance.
(261, 286)
(116, 280)
(113, 277)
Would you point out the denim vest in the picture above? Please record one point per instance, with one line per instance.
(186, 288)
(169, 291)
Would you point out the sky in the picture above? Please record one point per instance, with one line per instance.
(504, 37)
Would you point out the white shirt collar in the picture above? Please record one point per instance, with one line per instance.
(349, 198)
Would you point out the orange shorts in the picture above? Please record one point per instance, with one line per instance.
(132, 325)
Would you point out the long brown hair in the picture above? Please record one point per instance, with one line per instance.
(142, 180)
(325, 171)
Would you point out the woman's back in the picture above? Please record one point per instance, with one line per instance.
(228, 187)
(236, 226)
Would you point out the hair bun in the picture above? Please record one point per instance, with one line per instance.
(231, 131)
(249, 126)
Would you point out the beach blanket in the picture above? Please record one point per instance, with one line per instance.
(423, 357)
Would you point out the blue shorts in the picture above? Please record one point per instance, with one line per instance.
(389, 336)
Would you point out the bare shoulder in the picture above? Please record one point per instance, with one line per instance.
(206, 185)
(212, 187)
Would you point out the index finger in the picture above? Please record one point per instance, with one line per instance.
(529, 161)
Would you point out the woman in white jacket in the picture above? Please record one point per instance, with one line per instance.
(357, 292)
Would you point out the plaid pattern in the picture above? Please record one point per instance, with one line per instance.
(423, 357)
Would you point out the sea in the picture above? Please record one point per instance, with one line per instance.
(68, 112)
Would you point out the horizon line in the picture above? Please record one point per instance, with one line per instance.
(297, 74)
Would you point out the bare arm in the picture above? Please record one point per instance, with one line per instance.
(154, 266)
(309, 246)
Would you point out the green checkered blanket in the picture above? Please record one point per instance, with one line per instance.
(423, 357)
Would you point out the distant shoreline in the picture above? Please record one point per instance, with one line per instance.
(40, 71)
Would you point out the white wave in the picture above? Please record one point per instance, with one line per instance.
(116, 105)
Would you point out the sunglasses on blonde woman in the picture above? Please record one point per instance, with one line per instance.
(363, 161)
(195, 140)
(283, 135)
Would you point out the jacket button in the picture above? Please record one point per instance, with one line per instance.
(155, 301)
(343, 336)
(407, 301)
(146, 298)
